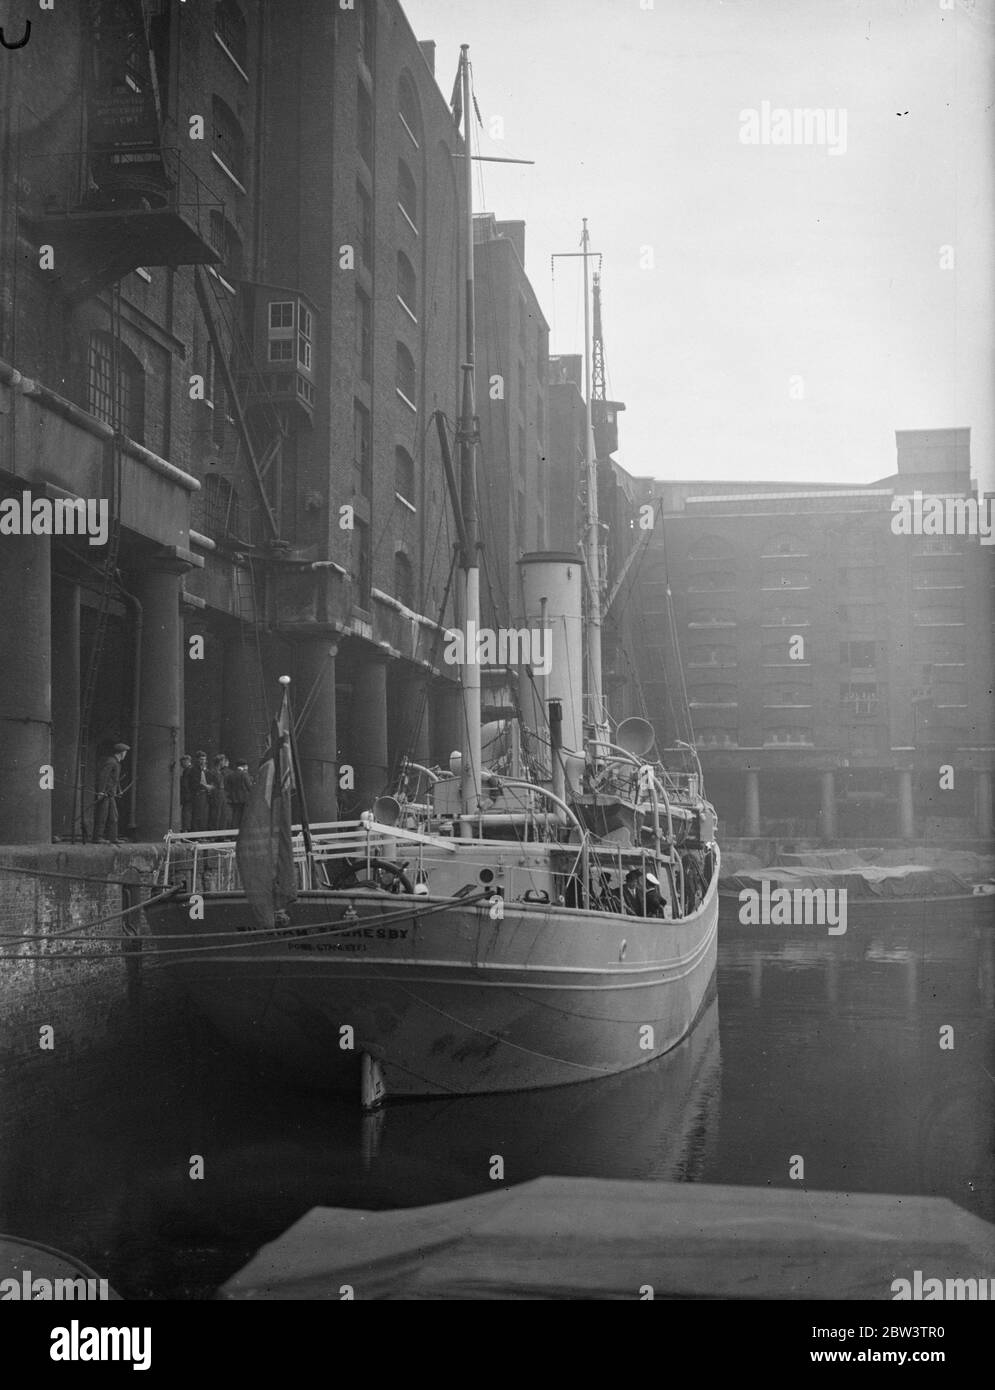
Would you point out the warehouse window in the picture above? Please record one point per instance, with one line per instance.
(712, 654)
(407, 285)
(364, 225)
(407, 107)
(220, 508)
(717, 580)
(404, 474)
(859, 698)
(103, 353)
(229, 26)
(364, 19)
(708, 548)
(407, 381)
(785, 544)
(859, 655)
(404, 580)
(364, 125)
(364, 335)
(228, 244)
(361, 461)
(305, 337)
(281, 330)
(363, 560)
(229, 142)
(407, 193)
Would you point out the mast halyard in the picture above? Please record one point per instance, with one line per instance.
(598, 715)
(467, 436)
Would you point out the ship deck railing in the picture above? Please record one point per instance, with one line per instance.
(206, 861)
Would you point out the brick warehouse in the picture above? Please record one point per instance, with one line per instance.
(845, 734)
(230, 303)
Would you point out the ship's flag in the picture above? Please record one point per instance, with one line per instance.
(456, 100)
(264, 850)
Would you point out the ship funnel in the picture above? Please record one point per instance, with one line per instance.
(551, 590)
(636, 736)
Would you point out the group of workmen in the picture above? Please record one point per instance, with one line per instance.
(641, 895)
(212, 797)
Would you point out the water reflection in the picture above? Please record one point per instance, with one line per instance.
(832, 1048)
(824, 1047)
(656, 1122)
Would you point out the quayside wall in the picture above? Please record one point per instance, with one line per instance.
(72, 1010)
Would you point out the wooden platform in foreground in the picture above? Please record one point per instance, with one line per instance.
(582, 1238)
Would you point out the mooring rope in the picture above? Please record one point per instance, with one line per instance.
(231, 940)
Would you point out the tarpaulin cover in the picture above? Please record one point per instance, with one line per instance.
(568, 1238)
(869, 881)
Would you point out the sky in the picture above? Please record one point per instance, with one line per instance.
(773, 308)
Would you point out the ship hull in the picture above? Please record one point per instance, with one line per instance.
(445, 999)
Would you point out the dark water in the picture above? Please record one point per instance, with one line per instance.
(827, 1048)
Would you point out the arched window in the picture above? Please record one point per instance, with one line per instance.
(364, 125)
(229, 142)
(220, 508)
(407, 193)
(229, 25)
(407, 108)
(404, 474)
(404, 580)
(407, 285)
(407, 381)
(364, 225)
(129, 415)
(228, 244)
(366, 37)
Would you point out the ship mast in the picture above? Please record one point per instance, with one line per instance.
(598, 717)
(467, 436)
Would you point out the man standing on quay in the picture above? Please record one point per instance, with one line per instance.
(108, 791)
(195, 786)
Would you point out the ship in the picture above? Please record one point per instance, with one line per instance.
(540, 913)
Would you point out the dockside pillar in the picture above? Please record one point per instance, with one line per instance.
(752, 809)
(243, 723)
(368, 747)
(156, 768)
(65, 702)
(410, 717)
(25, 690)
(983, 793)
(828, 788)
(446, 720)
(906, 809)
(318, 741)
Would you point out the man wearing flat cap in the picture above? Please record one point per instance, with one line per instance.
(108, 791)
